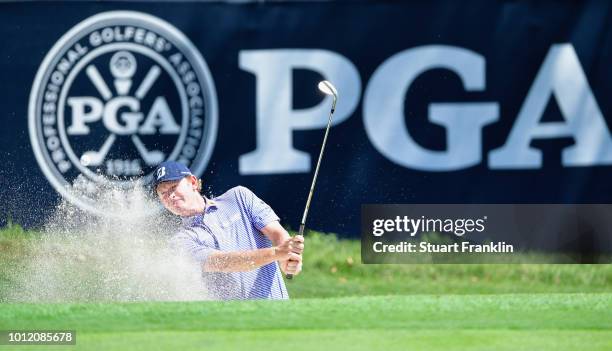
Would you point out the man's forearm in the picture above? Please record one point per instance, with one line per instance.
(275, 232)
(239, 261)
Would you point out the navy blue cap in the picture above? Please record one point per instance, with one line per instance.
(169, 171)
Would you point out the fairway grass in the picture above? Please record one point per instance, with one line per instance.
(420, 322)
(341, 304)
(355, 339)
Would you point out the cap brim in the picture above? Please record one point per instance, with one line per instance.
(170, 179)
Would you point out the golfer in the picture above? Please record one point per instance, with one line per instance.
(235, 237)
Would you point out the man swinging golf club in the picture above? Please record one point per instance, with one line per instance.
(225, 234)
(235, 237)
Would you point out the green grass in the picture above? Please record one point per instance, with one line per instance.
(333, 268)
(339, 303)
(424, 322)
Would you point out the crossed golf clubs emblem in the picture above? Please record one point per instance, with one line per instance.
(122, 67)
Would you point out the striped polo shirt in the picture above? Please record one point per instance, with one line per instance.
(232, 222)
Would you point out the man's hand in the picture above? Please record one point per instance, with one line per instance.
(289, 255)
(293, 267)
(290, 245)
(288, 250)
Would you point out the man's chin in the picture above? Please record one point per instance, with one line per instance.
(178, 211)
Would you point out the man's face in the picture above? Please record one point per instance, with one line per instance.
(179, 196)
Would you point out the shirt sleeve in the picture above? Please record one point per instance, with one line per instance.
(186, 242)
(260, 213)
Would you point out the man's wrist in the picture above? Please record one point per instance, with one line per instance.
(275, 253)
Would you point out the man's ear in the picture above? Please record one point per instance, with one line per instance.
(194, 182)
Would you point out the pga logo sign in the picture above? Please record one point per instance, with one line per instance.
(123, 91)
(118, 94)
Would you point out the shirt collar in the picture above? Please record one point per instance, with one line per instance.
(209, 204)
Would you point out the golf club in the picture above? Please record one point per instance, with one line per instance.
(327, 88)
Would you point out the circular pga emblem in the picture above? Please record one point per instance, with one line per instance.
(118, 94)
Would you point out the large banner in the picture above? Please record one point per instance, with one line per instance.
(439, 102)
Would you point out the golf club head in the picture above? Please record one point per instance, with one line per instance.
(328, 88)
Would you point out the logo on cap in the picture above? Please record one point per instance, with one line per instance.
(118, 94)
(161, 172)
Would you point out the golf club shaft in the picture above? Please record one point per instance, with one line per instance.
(316, 173)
